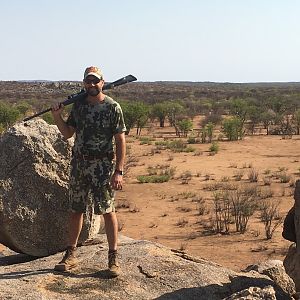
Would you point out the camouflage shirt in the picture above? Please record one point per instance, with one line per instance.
(95, 125)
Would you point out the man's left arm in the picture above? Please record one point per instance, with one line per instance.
(117, 177)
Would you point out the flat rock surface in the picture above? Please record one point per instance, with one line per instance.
(149, 271)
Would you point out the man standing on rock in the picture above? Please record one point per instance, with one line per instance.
(97, 121)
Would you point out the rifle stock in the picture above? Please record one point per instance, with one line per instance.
(74, 97)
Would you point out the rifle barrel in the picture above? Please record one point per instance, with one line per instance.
(72, 98)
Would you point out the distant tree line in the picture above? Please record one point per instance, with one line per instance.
(243, 110)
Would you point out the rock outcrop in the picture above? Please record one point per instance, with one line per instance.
(34, 171)
(292, 259)
(149, 271)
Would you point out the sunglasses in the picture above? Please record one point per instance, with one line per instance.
(94, 81)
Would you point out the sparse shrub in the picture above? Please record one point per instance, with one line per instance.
(196, 198)
(183, 246)
(238, 175)
(192, 236)
(267, 180)
(220, 137)
(269, 215)
(224, 179)
(134, 209)
(284, 177)
(266, 193)
(153, 178)
(157, 174)
(170, 158)
(228, 186)
(122, 203)
(222, 211)
(292, 182)
(186, 195)
(184, 209)
(220, 186)
(201, 207)
(251, 191)
(193, 140)
(177, 145)
(121, 224)
(186, 177)
(198, 153)
(144, 140)
(174, 198)
(153, 225)
(182, 222)
(243, 208)
(233, 165)
(207, 177)
(253, 175)
(282, 169)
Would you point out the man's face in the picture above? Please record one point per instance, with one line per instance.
(93, 85)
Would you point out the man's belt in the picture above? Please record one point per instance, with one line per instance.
(109, 155)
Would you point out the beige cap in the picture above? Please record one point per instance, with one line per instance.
(94, 71)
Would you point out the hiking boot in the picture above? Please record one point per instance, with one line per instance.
(68, 262)
(113, 266)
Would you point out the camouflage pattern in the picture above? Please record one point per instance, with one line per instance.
(95, 125)
(91, 177)
(93, 71)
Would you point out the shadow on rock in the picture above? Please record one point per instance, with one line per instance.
(16, 259)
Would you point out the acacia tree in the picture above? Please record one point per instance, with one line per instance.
(296, 121)
(135, 113)
(233, 128)
(175, 112)
(185, 126)
(207, 132)
(160, 111)
(267, 117)
(239, 108)
(254, 114)
(284, 108)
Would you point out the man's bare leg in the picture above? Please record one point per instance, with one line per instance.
(69, 260)
(111, 228)
(75, 226)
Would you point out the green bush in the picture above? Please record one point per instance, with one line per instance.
(214, 147)
(8, 115)
(48, 118)
(144, 140)
(153, 178)
(233, 128)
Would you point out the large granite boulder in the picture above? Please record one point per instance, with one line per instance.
(34, 172)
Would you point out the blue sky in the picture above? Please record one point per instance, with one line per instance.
(191, 40)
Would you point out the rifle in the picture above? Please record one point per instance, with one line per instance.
(74, 97)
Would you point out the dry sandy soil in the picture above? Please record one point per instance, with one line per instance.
(152, 211)
(155, 209)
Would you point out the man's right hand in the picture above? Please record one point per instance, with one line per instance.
(57, 109)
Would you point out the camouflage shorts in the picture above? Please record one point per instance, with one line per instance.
(91, 178)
